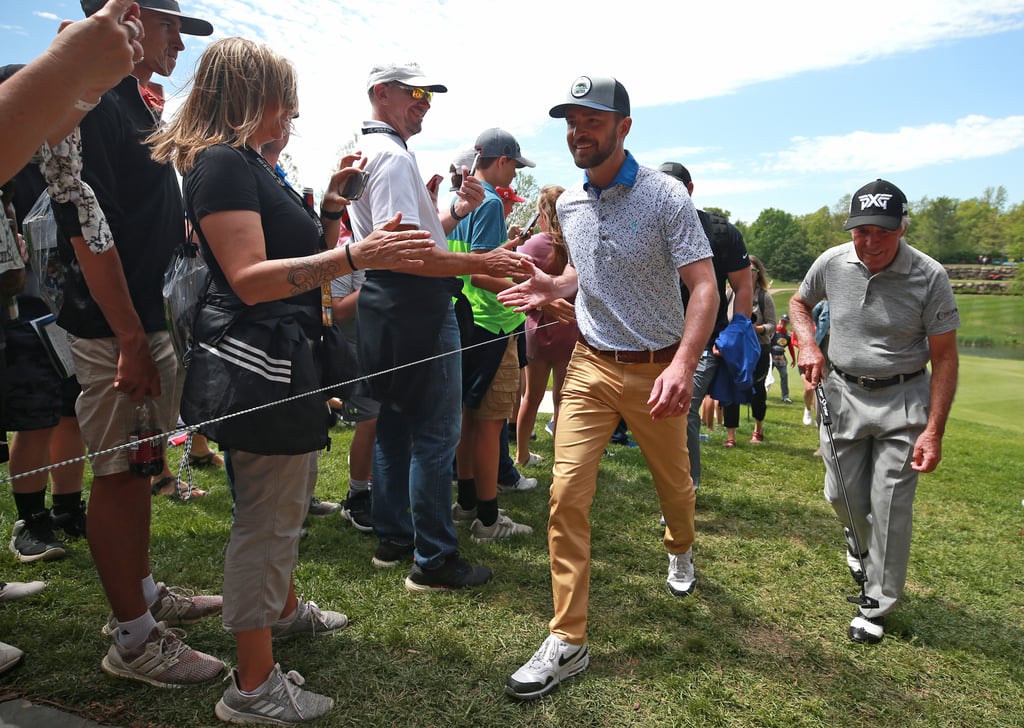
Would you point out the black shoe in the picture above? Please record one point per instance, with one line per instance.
(33, 540)
(455, 573)
(389, 554)
(356, 509)
(866, 630)
(72, 522)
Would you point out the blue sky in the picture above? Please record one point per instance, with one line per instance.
(788, 105)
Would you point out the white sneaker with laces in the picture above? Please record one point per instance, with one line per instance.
(808, 417)
(504, 527)
(523, 483)
(552, 664)
(681, 579)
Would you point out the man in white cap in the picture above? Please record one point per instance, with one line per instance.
(891, 311)
(408, 319)
(632, 234)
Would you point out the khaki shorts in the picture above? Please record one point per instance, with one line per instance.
(104, 415)
(500, 401)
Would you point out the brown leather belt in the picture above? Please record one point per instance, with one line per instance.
(873, 383)
(659, 356)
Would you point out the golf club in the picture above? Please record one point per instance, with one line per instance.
(861, 600)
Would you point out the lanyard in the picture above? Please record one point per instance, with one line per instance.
(384, 130)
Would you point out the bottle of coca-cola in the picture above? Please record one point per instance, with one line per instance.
(145, 459)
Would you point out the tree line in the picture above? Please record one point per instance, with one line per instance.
(980, 229)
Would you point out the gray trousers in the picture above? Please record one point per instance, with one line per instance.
(272, 495)
(874, 433)
(702, 378)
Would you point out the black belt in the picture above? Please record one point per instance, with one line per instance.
(657, 356)
(872, 383)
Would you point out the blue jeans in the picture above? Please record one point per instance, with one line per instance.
(412, 462)
(702, 378)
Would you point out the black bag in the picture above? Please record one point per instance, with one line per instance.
(247, 356)
(339, 364)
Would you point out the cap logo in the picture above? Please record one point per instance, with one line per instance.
(580, 87)
(877, 200)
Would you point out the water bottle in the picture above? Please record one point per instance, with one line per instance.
(145, 459)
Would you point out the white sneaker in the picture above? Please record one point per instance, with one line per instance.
(853, 564)
(12, 591)
(10, 657)
(681, 579)
(555, 662)
(523, 483)
(866, 630)
(550, 427)
(504, 527)
(808, 417)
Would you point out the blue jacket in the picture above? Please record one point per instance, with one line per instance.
(734, 378)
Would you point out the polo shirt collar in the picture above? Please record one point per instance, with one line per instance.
(625, 176)
(900, 265)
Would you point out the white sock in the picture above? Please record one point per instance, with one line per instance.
(358, 486)
(258, 691)
(134, 632)
(150, 592)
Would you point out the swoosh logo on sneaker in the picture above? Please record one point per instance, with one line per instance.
(565, 660)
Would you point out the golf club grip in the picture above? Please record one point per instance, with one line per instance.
(826, 416)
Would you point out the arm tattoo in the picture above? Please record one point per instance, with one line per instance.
(305, 274)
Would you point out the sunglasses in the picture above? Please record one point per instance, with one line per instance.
(417, 93)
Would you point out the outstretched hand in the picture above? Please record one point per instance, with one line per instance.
(538, 290)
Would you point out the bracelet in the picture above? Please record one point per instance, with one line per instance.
(332, 215)
(348, 256)
(85, 106)
(456, 215)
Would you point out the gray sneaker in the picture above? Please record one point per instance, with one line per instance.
(176, 607)
(504, 527)
(309, 619)
(463, 516)
(319, 507)
(283, 701)
(163, 661)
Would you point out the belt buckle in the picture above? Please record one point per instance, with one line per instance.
(617, 359)
(867, 382)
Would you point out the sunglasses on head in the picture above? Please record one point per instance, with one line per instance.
(418, 93)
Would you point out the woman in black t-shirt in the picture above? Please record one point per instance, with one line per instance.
(265, 249)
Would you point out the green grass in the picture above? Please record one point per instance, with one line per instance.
(761, 643)
(991, 320)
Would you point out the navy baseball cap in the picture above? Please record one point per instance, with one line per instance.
(189, 26)
(603, 93)
(675, 169)
(878, 203)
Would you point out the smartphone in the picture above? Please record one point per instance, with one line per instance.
(528, 227)
(354, 186)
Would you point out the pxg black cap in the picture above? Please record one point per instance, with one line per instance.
(878, 203)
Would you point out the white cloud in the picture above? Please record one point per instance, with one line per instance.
(971, 137)
(46, 16)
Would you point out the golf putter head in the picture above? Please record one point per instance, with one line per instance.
(863, 600)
